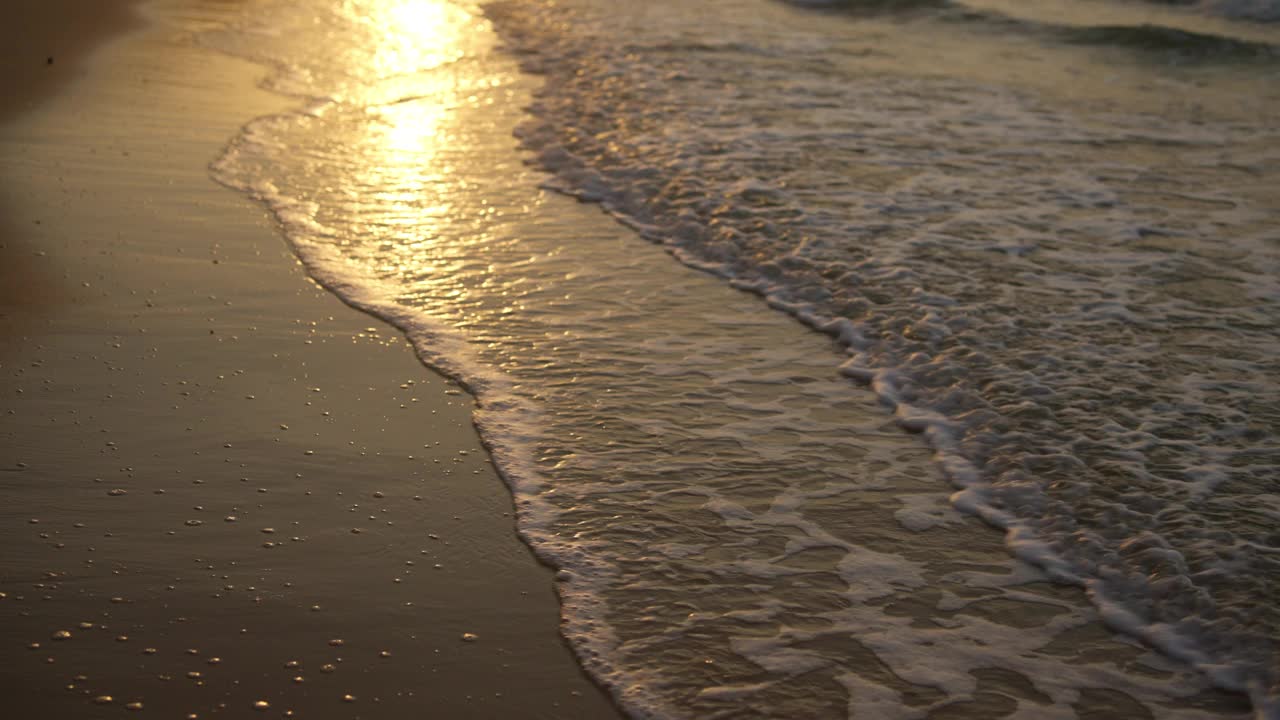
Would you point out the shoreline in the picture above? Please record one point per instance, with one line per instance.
(199, 490)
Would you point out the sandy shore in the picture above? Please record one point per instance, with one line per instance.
(43, 46)
(224, 485)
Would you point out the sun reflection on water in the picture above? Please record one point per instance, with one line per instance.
(403, 167)
(410, 35)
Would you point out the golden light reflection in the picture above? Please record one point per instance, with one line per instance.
(409, 36)
(416, 126)
(410, 183)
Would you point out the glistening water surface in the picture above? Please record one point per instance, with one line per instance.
(1075, 305)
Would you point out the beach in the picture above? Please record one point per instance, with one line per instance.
(221, 485)
(742, 359)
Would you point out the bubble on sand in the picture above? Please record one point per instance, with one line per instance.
(149, 651)
(336, 642)
(470, 637)
(135, 706)
(298, 679)
(103, 700)
(328, 668)
(195, 675)
(348, 698)
(262, 706)
(293, 664)
(62, 635)
(384, 654)
(117, 492)
(194, 523)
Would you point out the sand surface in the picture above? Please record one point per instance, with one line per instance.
(224, 485)
(44, 44)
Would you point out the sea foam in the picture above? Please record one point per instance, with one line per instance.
(735, 524)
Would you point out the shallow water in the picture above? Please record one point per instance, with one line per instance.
(1067, 284)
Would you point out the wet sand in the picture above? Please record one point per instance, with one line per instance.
(220, 485)
(43, 46)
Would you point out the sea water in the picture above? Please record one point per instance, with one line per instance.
(1042, 237)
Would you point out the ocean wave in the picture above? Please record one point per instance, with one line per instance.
(1072, 309)
(872, 6)
(1256, 10)
(1153, 35)
(1171, 41)
(1076, 310)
